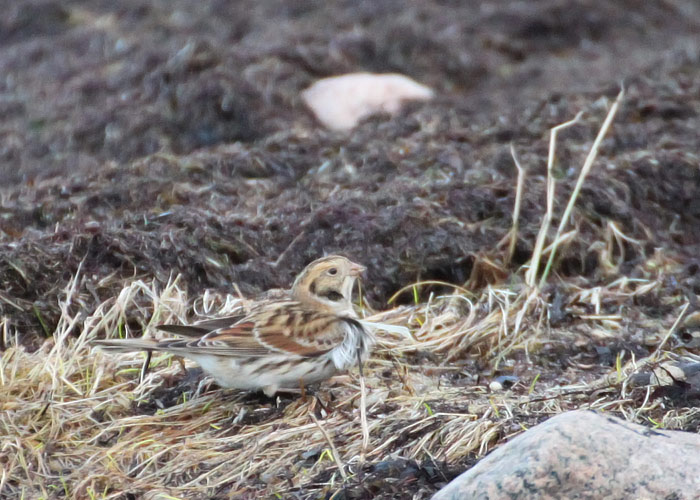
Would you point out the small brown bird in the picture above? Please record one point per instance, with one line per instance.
(302, 338)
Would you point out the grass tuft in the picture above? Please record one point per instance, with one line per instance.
(80, 423)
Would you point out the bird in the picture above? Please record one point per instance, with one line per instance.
(285, 342)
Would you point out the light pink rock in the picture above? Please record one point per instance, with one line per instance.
(340, 102)
(585, 455)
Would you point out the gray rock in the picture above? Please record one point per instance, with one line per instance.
(585, 455)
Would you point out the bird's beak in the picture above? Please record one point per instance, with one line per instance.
(356, 269)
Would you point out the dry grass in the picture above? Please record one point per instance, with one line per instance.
(78, 423)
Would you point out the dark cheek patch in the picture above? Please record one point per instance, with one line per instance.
(333, 295)
(326, 293)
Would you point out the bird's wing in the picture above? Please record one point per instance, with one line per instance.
(201, 328)
(275, 328)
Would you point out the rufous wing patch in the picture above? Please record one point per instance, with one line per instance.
(314, 337)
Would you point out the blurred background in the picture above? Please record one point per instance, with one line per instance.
(146, 138)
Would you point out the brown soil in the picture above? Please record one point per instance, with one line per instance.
(149, 138)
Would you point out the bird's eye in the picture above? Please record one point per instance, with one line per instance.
(332, 271)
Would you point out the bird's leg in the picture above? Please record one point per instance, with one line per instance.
(302, 387)
(203, 384)
(363, 419)
(181, 361)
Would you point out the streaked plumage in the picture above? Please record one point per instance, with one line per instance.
(301, 337)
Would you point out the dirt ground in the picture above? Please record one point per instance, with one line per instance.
(141, 139)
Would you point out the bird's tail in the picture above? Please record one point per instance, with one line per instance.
(126, 345)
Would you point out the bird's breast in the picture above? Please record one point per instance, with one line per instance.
(357, 343)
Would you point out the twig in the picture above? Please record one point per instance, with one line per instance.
(334, 450)
(289, 247)
(363, 412)
(146, 365)
(531, 274)
(592, 155)
(516, 207)
(429, 282)
(673, 328)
